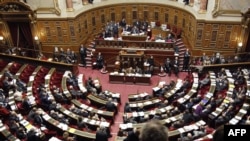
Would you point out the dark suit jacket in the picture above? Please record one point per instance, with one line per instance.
(132, 137)
(101, 136)
(110, 106)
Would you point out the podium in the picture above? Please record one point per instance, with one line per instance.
(131, 58)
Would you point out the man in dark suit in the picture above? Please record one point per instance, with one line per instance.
(20, 85)
(83, 54)
(133, 135)
(8, 74)
(38, 118)
(186, 60)
(99, 61)
(110, 106)
(59, 96)
(176, 66)
(168, 66)
(75, 93)
(8, 85)
(123, 23)
(33, 136)
(101, 134)
(187, 117)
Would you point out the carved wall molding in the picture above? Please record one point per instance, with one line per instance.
(13, 6)
(55, 9)
(219, 11)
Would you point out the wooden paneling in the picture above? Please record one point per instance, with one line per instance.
(201, 35)
(217, 36)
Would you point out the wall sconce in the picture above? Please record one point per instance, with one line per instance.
(36, 39)
(2, 40)
(239, 48)
(240, 44)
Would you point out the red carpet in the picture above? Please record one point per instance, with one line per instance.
(125, 90)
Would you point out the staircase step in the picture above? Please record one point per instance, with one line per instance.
(178, 40)
(91, 46)
(178, 43)
(181, 46)
(88, 58)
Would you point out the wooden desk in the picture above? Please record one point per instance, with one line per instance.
(134, 37)
(130, 79)
(172, 134)
(93, 124)
(98, 101)
(131, 53)
(143, 79)
(64, 127)
(118, 79)
(134, 97)
(133, 44)
(105, 114)
(6, 133)
(64, 85)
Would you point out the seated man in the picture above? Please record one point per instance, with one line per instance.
(75, 93)
(110, 106)
(8, 85)
(204, 81)
(72, 80)
(21, 86)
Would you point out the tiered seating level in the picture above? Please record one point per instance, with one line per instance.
(243, 110)
(176, 132)
(27, 125)
(191, 92)
(6, 133)
(105, 114)
(64, 127)
(41, 75)
(225, 104)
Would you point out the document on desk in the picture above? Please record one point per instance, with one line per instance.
(72, 130)
(181, 130)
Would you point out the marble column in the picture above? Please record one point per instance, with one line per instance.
(191, 2)
(203, 6)
(69, 5)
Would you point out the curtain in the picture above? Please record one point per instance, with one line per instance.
(26, 34)
(22, 36)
